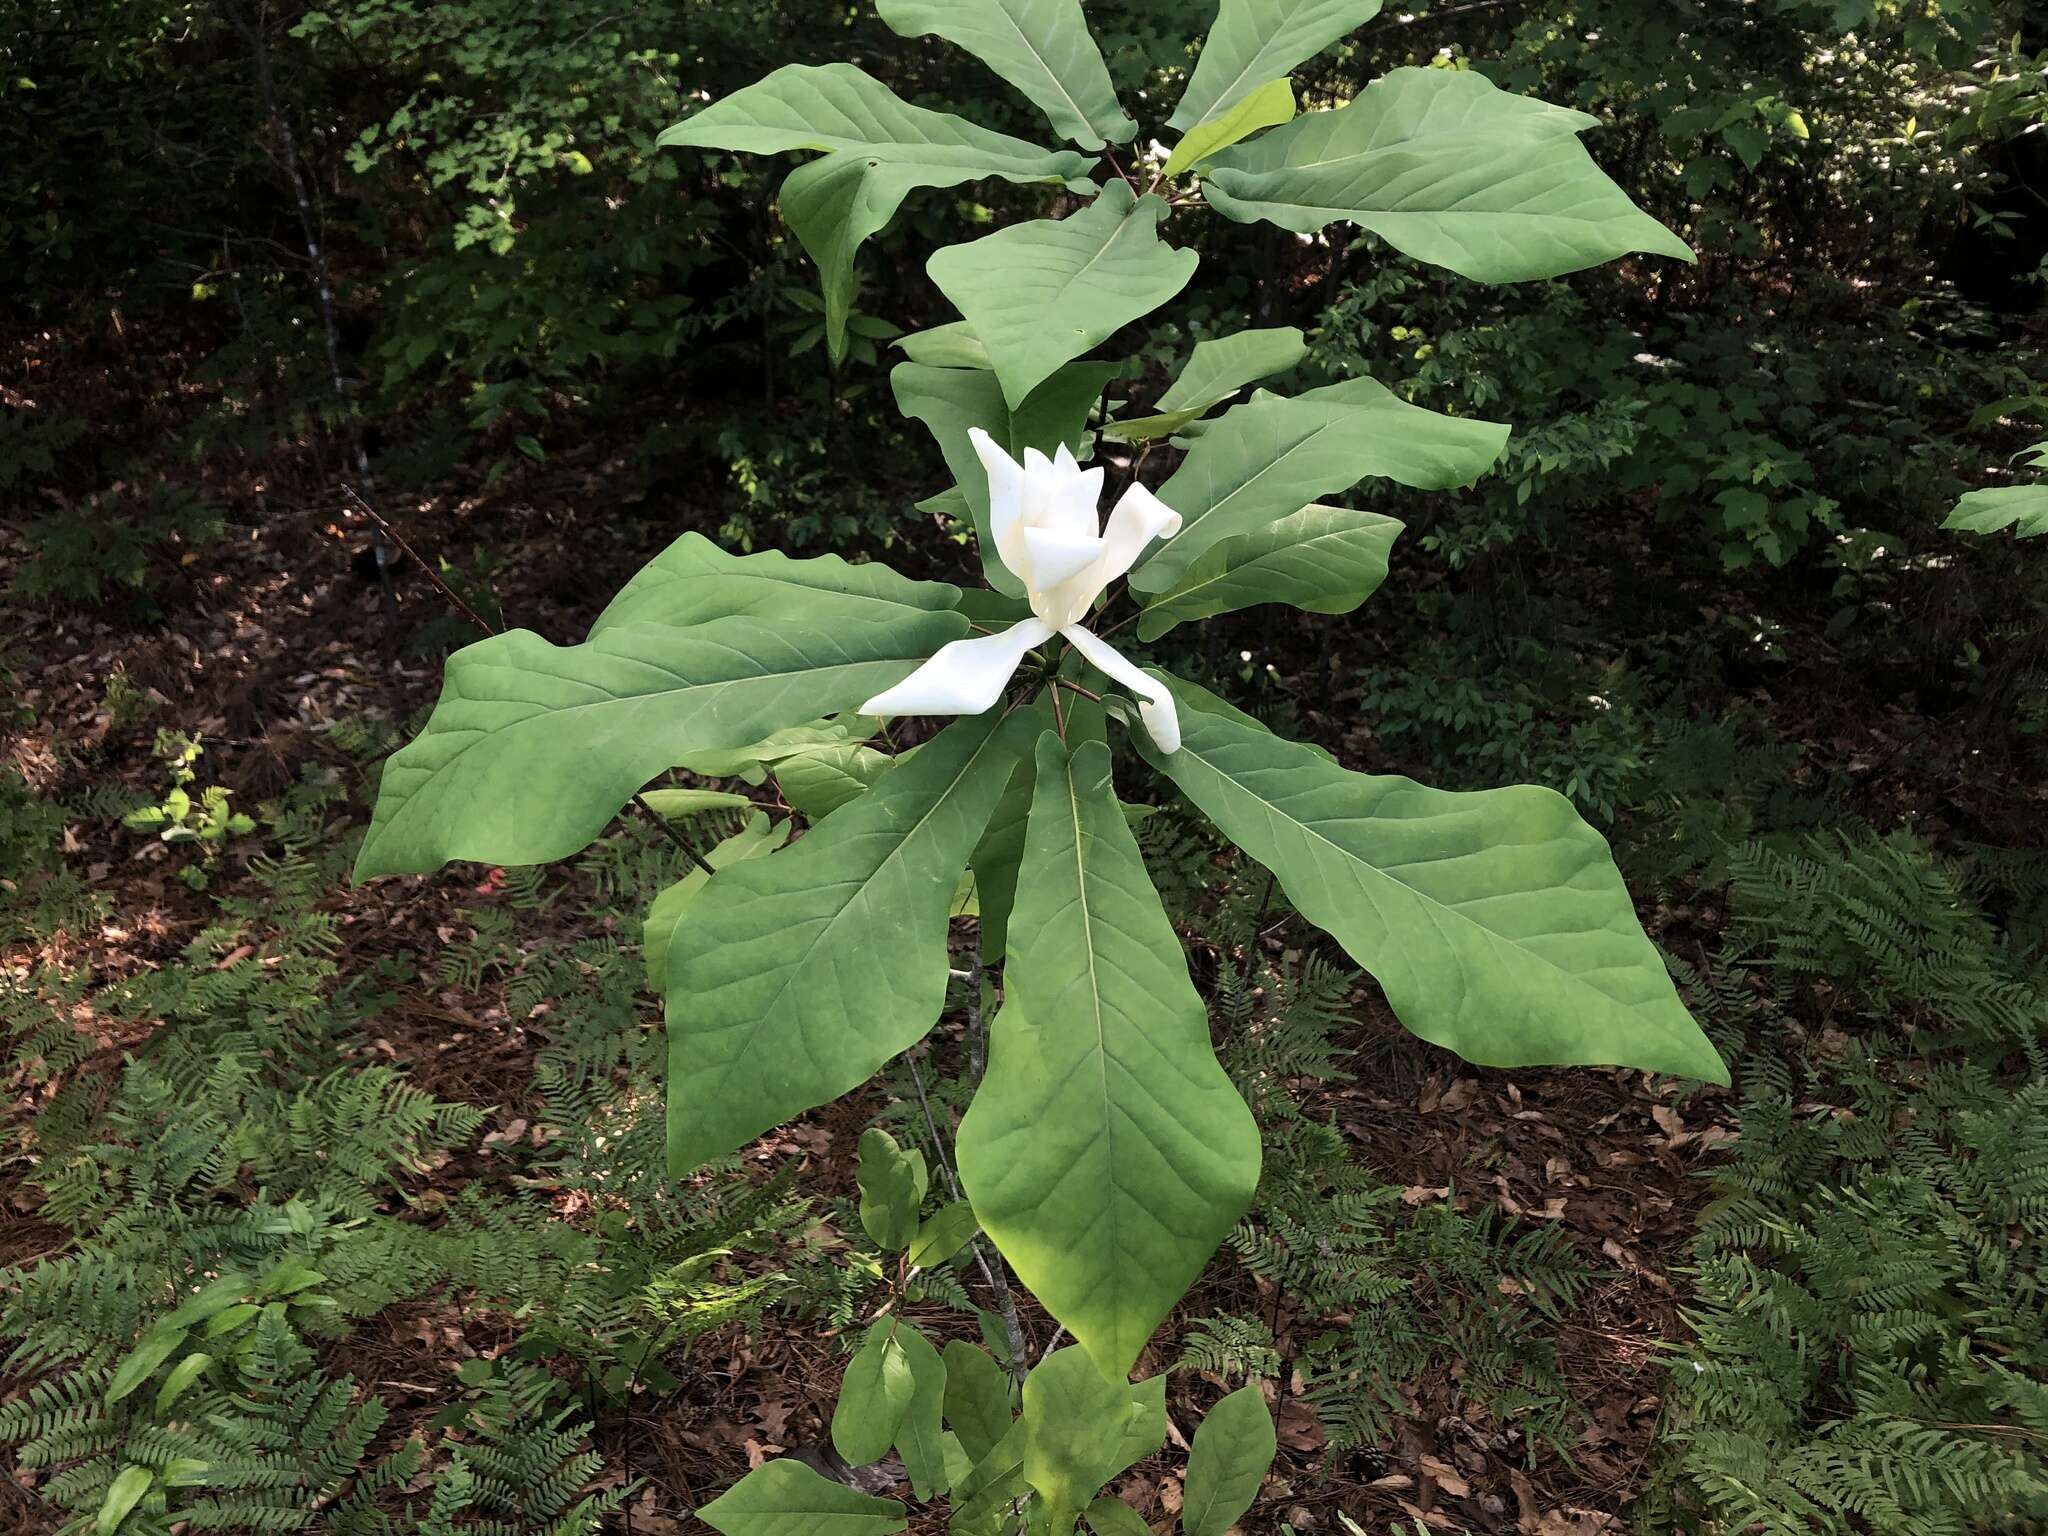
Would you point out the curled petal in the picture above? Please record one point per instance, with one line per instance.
(1054, 556)
(1065, 501)
(963, 678)
(1139, 518)
(1005, 496)
(1155, 704)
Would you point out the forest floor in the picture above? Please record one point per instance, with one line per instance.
(284, 629)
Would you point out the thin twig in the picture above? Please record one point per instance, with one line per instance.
(469, 613)
(1086, 693)
(1110, 155)
(453, 597)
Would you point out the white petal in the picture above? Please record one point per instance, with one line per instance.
(1139, 518)
(1054, 556)
(1155, 704)
(1005, 495)
(1036, 463)
(1072, 503)
(963, 678)
(1065, 459)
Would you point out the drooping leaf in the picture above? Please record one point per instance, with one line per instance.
(892, 1181)
(1042, 47)
(794, 978)
(1320, 559)
(977, 1398)
(1041, 293)
(752, 761)
(1227, 1463)
(920, 1438)
(944, 1233)
(1073, 1424)
(1270, 457)
(1254, 41)
(533, 747)
(953, 345)
(1216, 371)
(756, 839)
(693, 581)
(820, 779)
(786, 1498)
(2022, 508)
(1219, 368)
(997, 855)
(1266, 107)
(1446, 168)
(1106, 1152)
(874, 1395)
(950, 401)
(682, 804)
(1495, 921)
(878, 149)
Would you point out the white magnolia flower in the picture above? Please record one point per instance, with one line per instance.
(1043, 517)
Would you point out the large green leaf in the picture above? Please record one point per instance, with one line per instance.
(1320, 559)
(1217, 370)
(1074, 1419)
(1232, 1450)
(793, 979)
(786, 1498)
(1040, 294)
(1448, 169)
(1106, 1152)
(757, 839)
(1042, 47)
(1270, 457)
(1495, 921)
(1266, 107)
(1254, 41)
(2022, 508)
(533, 747)
(950, 401)
(878, 149)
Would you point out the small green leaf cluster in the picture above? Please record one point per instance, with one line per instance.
(179, 818)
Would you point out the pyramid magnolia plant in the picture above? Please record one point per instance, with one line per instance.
(1105, 1153)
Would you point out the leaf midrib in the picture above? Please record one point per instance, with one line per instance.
(1181, 594)
(792, 969)
(1429, 902)
(1003, 10)
(1102, 1055)
(1271, 466)
(1223, 103)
